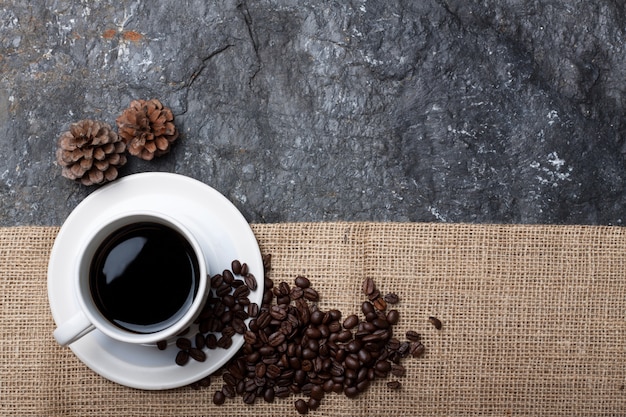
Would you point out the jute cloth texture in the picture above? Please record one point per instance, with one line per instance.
(533, 322)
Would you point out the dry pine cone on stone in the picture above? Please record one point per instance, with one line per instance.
(148, 128)
(90, 152)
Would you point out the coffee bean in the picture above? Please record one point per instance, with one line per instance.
(276, 339)
(380, 304)
(283, 289)
(302, 282)
(228, 276)
(368, 286)
(352, 362)
(311, 295)
(219, 398)
(228, 300)
(162, 344)
(393, 316)
(373, 295)
(344, 336)
(269, 394)
(383, 366)
(182, 357)
(210, 341)
(398, 370)
(413, 336)
(403, 350)
(313, 404)
(381, 323)
(367, 307)
(273, 371)
(334, 326)
(296, 293)
(394, 384)
(224, 342)
(351, 391)
(216, 280)
(351, 322)
(228, 391)
(301, 406)
(242, 291)
(200, 340)
(197, 354)
(250, 337)
(228, 331)
(250, 281)
(238, 325)
(392, 298)
(417, 349)
(435, 322)
(281, 391)
(183, 343)
(259, 370)
(264, 319)
(223, 289)
(253, 309)
(363, 385)
(235, 266)
(278, 312)
(317, 392)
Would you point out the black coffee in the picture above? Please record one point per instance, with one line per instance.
(144, 277)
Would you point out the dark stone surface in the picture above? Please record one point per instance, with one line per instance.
(457, 111)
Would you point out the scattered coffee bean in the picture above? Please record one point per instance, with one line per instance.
(413, 336)
(351, 322)
(435, 322)
(219, 398)
(253, 309)
(380, 304)
(311, 295)
(293, 347)
(235, 266)
(301, 406)
(302, 282)
(249, 397)
(393, 316)
(228, 277)
(162, 344)
(392, 298)
(417, 349)
(182, 357)
(394, 384)
(183, 343)
(216, 281)
(398, 370)
(250, 281)
(197, 354)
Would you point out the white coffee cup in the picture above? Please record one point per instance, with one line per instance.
(90, 317)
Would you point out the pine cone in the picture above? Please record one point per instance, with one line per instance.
(90, 152)
(147, 128)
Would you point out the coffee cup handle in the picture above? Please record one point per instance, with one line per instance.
(73, 329)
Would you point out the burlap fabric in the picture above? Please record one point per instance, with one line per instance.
(533, 321)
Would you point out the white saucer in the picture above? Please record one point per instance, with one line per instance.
(222, 231)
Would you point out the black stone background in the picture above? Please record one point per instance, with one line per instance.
(431, 110)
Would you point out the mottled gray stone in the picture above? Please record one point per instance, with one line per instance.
(455, 111)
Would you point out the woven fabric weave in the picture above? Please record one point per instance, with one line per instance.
(533, 321)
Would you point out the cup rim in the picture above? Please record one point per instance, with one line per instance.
(90, 244)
